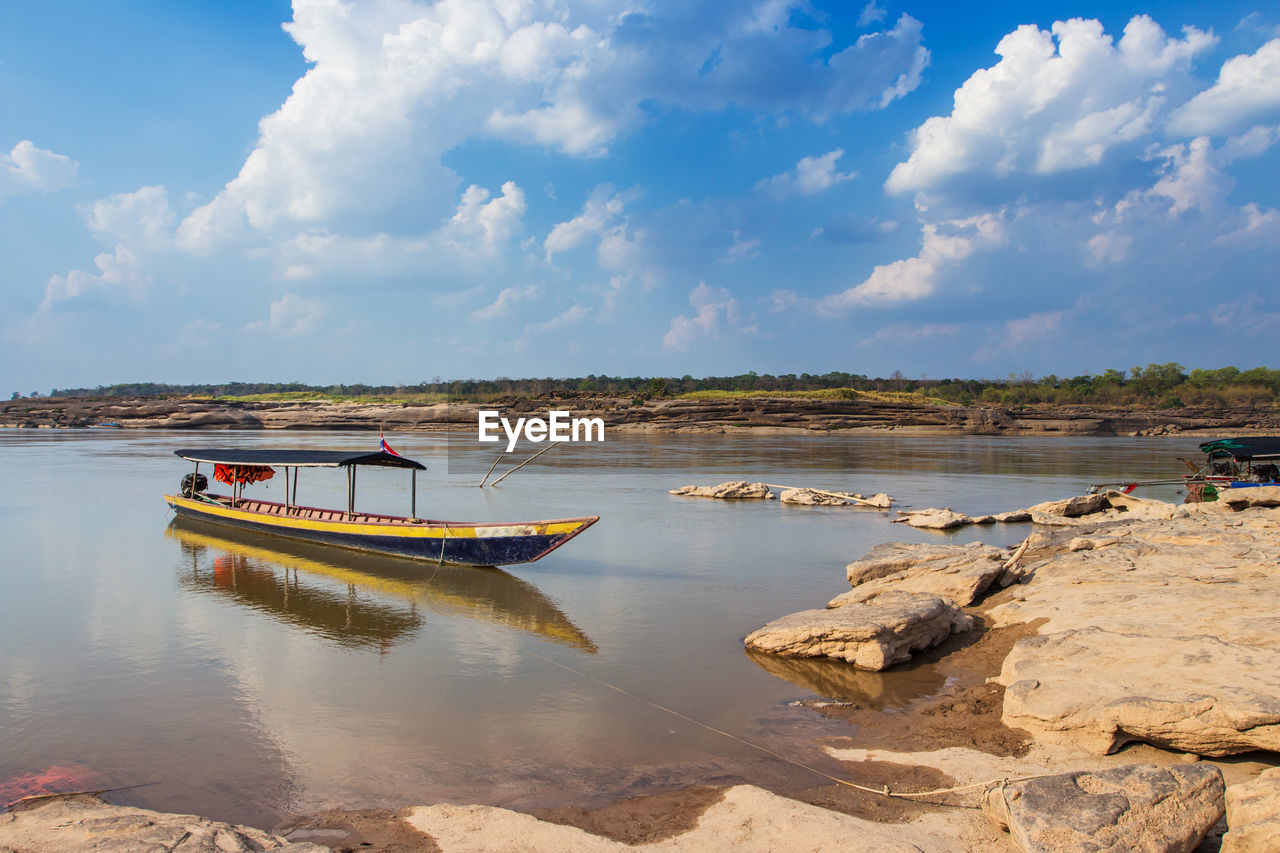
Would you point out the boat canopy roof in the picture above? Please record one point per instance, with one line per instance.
(297, 458)
(1254, 447)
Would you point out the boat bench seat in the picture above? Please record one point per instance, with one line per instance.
(268, 508)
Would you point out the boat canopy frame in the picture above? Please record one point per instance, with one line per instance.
(296, 459)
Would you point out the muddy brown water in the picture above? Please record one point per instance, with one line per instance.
(252, 679)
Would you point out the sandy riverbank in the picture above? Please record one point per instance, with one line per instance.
(761, 414)
(1134, 648)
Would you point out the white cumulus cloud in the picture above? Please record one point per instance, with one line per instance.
(507, 297)
(30, 169)
(291, 315)
(118, 270)
(907, 332)
(912, 279)
(483, 224)
(357, 146)
(1055, 101)
(142, 217)
(599, 213)
(715, 311)
(1247, 91)
(811, 175)
(570, 316)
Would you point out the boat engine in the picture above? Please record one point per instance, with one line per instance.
(193, 483)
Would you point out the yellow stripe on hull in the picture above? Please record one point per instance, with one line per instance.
(411, 530)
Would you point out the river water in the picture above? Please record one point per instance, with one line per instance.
(252, 679)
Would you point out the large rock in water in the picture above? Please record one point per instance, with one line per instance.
(1253, 815)
(1136, 807)
(958, 572)
(874, 634)
(808, 497)
(1099, 690)
(74, 823)
(733, 490)
(935, 519)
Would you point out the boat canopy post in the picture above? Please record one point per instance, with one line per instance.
(295, 485)
(413, 493)
(351, 491)
(287, 505)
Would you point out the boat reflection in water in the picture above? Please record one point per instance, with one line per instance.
(367, 601)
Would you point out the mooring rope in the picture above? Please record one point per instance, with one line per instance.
(883, 791)
(52, 795)
(443, 540)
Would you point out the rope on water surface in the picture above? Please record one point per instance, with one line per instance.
(883, 790)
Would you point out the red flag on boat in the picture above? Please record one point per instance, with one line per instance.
(384, 447)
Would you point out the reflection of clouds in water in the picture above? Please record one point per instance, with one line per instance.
(146, 636)
(487, 652)
(22, 681)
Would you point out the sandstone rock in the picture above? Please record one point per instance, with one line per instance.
(81, 822)
(734, 490)
(1099, 690)
(815, 497)
(873, 634)
(935, 519)
(1262, 496)
(808, 497)
(958, 572)
(746, 820)
(1085, 543)
(1199, 575)
(1130, 507)
(1013, 516)
(1136, 807)
(1071, 507)
(1253, 815)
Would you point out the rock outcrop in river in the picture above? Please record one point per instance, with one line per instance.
(735, 490)
(1154, 623)
(874, 633)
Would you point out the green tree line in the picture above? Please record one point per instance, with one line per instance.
(1164, 385)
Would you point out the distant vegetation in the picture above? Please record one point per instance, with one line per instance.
(1156, 385)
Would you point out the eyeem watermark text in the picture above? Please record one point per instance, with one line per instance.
(558, 426)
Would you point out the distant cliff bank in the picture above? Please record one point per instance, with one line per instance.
(750, 413)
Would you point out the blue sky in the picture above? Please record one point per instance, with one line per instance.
(394, 191)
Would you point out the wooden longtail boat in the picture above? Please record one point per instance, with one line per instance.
(1232, 463)
(461, 542)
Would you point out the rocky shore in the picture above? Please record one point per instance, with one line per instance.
(759, 414)
(1154, 650)
(1111, 683)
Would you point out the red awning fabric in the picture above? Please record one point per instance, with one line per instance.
(242, 474)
